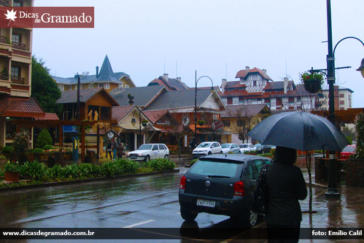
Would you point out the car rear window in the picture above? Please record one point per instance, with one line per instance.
(215, 168)
(349, 149)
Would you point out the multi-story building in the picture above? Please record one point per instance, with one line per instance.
(15, 77)
(256, 87)
(342, 97)
(104, 78)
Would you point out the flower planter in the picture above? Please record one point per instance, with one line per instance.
(11, 176)
(312, 85)
(354, 173)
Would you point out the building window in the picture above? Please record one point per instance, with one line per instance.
(101, 85)
(226, 123)
(254, 83)
(18, 3)
(342, 102)
(290, 99)
(15, 73)
(15, 38)
(107, 86)
(230, 100)
(298, 99)
(240, 123)
(342, 95)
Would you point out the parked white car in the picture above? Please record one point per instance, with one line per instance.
(246, 147)
(230, 148)
(206, 148)
(149, 151)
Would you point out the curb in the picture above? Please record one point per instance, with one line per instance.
(50, 184)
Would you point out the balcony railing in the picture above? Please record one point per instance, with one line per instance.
(4, 76)
(4, 39)
(18, 80)
(21, 46)
(5, 3)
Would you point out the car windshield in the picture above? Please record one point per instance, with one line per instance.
(204, 145)
(349, 149)
(214, 168)
(145, 147)
(225, 145)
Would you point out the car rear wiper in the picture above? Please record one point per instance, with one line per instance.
(218, 176)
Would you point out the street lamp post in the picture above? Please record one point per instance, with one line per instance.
(332, 191)
(195, 110)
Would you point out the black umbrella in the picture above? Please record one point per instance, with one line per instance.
(299, 130)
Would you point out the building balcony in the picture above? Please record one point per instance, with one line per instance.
(21, 81)
(20, 46)
(4, 39)
(5, 3)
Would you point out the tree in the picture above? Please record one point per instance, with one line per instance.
(44, 138)
(44, 88)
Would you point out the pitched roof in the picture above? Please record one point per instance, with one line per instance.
(48, 116)
(155, 115)
(249, 110)
(170, 84)
(179, 99)
(278, 85)
(119, 112)
(70, 96)
(142, 95)
(106, 75)
(243, 74)
(20, 107)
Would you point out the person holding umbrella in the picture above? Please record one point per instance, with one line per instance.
(284, 187)
(283, 182)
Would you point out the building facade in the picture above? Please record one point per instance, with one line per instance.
(15, 77)
(256, 87)
(104, 78)
(342, 96)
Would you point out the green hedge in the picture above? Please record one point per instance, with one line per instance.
(37, 171)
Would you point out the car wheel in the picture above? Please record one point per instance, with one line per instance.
(147, 158)
(188, 214)
(166, 156)
(209, 153)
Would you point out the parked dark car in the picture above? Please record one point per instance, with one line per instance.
(221, 184)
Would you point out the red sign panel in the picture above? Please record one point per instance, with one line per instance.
(47, 17)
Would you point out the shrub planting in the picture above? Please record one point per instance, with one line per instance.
(44, 138)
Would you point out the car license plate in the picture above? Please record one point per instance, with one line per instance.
(205, 203)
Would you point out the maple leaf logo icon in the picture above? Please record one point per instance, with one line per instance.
(11, 15)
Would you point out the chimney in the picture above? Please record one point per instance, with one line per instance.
(97, 71)
(165, 76)
(247, 67)
(223, 84)
(285, 85)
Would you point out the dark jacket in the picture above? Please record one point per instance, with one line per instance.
(285, 187)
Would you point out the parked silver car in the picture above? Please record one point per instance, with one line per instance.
(206, 148)
(149, 151)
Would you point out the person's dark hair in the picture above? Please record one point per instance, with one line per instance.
(285, 155)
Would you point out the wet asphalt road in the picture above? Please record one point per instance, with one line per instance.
(147, 202)
(150, 202)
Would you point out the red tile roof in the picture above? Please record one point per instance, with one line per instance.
(155, 115)
(119, 112)
(48, 117)
(242, 74)
(20, 107)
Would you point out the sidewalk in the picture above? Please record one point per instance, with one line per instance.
(344, 212)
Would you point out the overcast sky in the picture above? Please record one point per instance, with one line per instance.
(145, 38)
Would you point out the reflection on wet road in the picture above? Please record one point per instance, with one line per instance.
(150, 201)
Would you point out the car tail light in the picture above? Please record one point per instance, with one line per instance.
(239, 188)
(182, 183)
